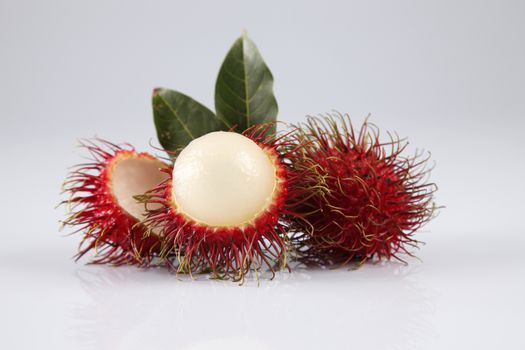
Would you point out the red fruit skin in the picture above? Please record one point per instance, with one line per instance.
(366, 199)
(229, 252)
(115, 236)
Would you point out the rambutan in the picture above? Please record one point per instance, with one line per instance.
(225, 210)
(365, 199)
(101, 205)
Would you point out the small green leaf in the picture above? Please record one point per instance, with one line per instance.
(244, 89)
(179, 119)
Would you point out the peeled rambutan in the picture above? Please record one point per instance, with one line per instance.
(225, 209)
(365, 199)
(101, 203)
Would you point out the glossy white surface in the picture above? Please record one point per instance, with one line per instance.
(465, 294)
(448, 74)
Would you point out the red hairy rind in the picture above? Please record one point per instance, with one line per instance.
(364, 198)
(230, 252)
(115, 236)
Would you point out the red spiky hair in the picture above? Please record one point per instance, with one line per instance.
(230, 252)
(366, 199)
(115, 235)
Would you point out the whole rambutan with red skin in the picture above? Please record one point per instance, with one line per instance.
(364, 198)
(226, 207)
(101, 206)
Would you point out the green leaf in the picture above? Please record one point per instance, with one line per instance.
(244, 89)
(179, 119)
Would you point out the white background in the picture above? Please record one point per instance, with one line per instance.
(448, 74)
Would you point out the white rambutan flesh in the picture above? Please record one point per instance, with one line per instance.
(223, 179)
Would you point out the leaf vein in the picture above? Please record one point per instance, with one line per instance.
(174, 111)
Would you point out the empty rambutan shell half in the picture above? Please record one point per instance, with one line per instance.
(225, 209)
(365, 199)
(102, 207)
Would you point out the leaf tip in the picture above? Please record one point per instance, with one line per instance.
(156, 91)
